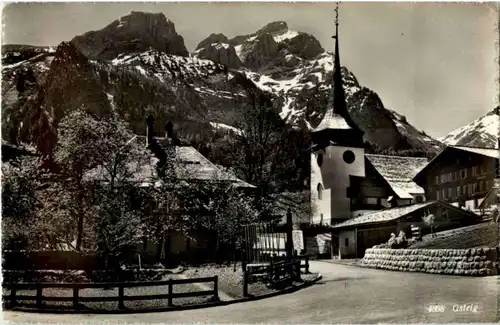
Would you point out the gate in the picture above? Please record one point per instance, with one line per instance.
(264, 243)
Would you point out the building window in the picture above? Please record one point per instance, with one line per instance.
(444, 194)
(484, 169)
(346, 242)
(450, 192)
(371, 200)
(481, 186)
(320, 192)
(471, 189)
(464, 189)
(437, 195)
(463, 174)
(320, 159)
(475, 170)
(349, 157)
(437, 180)
(459, 190)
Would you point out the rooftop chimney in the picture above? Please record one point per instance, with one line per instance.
(169, 130)
(149, 129)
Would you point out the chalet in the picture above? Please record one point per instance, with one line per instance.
(188, 166)
(461, 176)
(360, 233)
(388, 182)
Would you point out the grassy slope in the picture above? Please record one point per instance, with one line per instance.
(484, 234)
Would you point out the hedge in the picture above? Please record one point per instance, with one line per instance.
(473, 262)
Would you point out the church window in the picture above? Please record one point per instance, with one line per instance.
(320, 159)
(349, 157)
(320, 192)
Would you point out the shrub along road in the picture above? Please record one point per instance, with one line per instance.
(346, 294)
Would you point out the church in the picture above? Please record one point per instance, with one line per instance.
(363, 198)
(337, 155)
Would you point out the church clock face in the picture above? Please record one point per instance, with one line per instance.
(320, 159)
(349, 157)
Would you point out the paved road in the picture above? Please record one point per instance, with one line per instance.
(346, 294)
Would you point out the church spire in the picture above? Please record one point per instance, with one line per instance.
(339, 105)
(337, 116)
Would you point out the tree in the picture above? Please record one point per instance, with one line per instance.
(94, 150)
(21, 180)
(429, 220)
(223, 209)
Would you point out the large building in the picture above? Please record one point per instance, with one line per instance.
(337, 155)
(461, 176)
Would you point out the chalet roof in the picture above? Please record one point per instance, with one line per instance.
(399, 172)
(190, 165)
(392, 214)
(489, 152)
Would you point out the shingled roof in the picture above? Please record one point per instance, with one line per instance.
(392, 214)
(489, 152)
(399, 172)
(189, 163)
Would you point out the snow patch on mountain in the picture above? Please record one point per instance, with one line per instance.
(482, 132)
(289, 34)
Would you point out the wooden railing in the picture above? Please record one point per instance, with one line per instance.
(12, 299)
(276, 273)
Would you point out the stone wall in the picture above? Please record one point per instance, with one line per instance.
(472, 262)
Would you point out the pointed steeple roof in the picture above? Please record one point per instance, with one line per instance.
(337, 116)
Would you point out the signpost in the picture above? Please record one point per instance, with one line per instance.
(298, 240)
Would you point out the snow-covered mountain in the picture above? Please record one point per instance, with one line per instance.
(138, 65)
(483, 132)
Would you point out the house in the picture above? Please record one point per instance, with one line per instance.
(360, 233)
(187, 166)
(388, 182)
(461, 176)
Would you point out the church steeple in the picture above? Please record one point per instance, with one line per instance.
(337, 120)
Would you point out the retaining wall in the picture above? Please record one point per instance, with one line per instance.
(472, 262)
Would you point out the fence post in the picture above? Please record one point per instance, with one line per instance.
(307, 264)
(497, 257)
(216, 288)
(289, 237)
(75, 297)
(121, 293)
(13, 301)
(39, 296)
(170, 292)
(245, 283)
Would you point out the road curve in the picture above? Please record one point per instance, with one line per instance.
(346, 294)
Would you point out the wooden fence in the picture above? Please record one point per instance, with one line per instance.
(274, 273)
(11, 300)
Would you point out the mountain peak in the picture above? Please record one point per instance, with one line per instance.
(135, 32)
(483, 132)
(273, 27)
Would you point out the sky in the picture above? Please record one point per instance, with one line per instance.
(432, 62)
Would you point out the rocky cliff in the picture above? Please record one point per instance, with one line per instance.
(139, 65)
